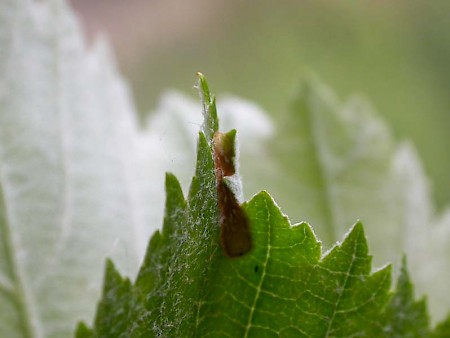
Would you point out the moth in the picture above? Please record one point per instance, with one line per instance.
(235, 228)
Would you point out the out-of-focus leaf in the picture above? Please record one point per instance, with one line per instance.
(69, 170)
(346, 165)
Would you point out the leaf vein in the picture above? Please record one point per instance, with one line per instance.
(263, 274)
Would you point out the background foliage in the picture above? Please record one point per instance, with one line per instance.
(393, 52)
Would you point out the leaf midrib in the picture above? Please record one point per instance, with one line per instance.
(344, 284)
(324, 177)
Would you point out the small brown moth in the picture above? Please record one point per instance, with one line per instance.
(224, 153)
(234, 224)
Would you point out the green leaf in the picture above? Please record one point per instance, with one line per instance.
(285, 287)
(165, 297)
(330, 162)
(118, 295)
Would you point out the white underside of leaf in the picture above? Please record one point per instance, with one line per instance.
(69, 170)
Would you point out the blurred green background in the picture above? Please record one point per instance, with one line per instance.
(395, 53)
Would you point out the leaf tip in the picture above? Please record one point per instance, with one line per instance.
(356, 233)
(173, 185)
(210, 118)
